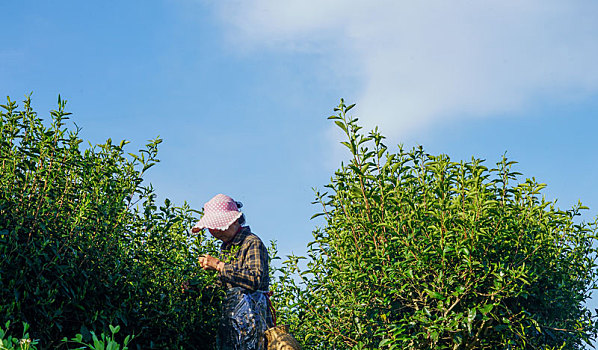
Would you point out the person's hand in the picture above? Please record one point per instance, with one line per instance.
(208, 262)
(195, 230)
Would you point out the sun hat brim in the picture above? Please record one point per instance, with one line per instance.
(218, 220)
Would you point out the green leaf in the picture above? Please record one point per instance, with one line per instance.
(341, 125)
(316, 215)
(486, 308)
(384, 342)
(435, 295)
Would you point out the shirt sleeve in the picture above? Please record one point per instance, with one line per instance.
(250, 269)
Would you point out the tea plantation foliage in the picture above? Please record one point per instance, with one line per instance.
(84, 245)
(418, 252)
(422, 252)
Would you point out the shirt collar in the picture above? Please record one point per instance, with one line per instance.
(238, 238)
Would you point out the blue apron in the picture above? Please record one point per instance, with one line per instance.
(245, 318)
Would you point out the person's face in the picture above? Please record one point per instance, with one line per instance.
(226, 235)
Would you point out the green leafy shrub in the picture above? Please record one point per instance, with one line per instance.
(103, 342)
(421, 252)
(84, 245)
(8, 342)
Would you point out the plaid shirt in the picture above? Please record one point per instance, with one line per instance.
(245, 262)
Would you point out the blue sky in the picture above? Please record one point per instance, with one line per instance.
(240, 90)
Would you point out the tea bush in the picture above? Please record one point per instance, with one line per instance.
(84, 245)
(9, 342)
(101, 342)
(422, 252)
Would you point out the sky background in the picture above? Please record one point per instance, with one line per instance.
(240, 90)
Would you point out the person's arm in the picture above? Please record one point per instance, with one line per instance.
(208, 262)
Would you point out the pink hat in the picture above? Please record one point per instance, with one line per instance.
(219, 213)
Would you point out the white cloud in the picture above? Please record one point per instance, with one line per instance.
(425, 61)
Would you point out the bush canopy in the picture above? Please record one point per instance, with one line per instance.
(83, 244)
(422, 252)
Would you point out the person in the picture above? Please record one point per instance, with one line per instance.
(242, 271)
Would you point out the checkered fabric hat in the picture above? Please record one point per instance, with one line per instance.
(219, 213)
